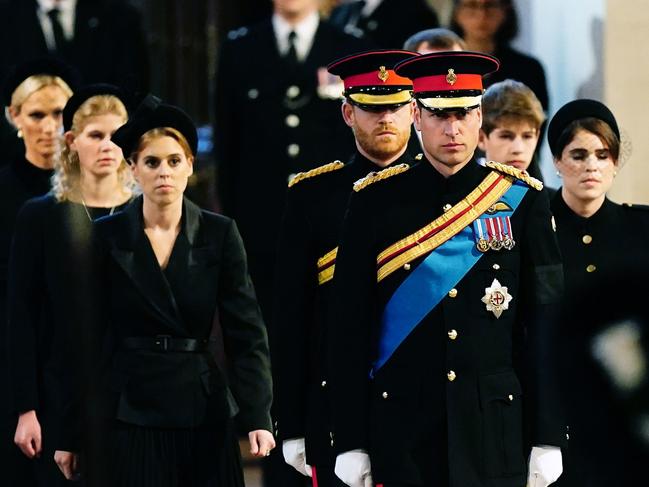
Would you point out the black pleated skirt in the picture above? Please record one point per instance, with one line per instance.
(159, 457)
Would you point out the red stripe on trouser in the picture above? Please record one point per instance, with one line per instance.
(314, 477)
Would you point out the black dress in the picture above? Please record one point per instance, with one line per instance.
(167, 403)
(46, 250)
(19, 181)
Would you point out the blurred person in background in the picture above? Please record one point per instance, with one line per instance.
(163, 271)
(34, 96)
(91, 180)
(489, 26)
(432, 40)
(386, 24)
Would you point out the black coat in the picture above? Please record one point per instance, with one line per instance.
(207, 271)
(108, 46)
(255, 95)
(389, 25)
(310, 229)
(47, 246)
(420, 427)
(617, 237)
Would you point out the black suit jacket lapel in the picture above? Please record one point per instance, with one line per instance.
(133, 253)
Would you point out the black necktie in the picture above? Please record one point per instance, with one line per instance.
(291, 54)
(57, 29)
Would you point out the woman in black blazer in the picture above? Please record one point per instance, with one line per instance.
(167, 272)
(91, 179)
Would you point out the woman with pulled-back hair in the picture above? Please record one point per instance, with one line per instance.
(33, 95)
(165, 272)
(91, 179)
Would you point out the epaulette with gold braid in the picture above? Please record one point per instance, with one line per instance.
(374, 176)
(301, 176)
(517, 173)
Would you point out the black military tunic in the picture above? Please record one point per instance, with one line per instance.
(311, 227)
(447, 408)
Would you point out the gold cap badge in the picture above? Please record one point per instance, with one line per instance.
(383, 74)
(451, 77)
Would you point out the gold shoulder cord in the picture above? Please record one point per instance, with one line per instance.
(517, 173)
(373, 177)
(301, 176)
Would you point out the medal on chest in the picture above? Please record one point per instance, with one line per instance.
(493, 233)
(497, 298)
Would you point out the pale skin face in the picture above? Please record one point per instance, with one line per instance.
(381, 136)
(294, 10)
(162, 170)
(587, 169)
(426, 48)
(449, 137)
(512, 143)
(480, 19)
(98, 155)
(40, 119)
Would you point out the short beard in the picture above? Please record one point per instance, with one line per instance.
(381, 151)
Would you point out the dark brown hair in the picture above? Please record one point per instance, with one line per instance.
(593, 125)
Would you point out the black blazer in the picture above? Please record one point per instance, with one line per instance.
(207, 272)
(419, 426)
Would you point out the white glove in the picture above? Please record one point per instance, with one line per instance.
(546, 466)
(294, 454)
(353, 468)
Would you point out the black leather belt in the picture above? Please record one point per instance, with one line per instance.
(165, 343)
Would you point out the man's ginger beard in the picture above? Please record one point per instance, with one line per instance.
(384, 147)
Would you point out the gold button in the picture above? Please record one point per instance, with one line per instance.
(384, 395)
(447, 207)
(591, 268)
(511, 397)
(451, 375)
(587, 239)
(452, 334)
(452, 293)
(495, 267)
(406, 267)
(324, 383)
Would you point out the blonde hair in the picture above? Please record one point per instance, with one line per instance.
(34, 83)
(67, 168)
(157, 133)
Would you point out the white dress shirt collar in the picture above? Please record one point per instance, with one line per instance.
(304, 30)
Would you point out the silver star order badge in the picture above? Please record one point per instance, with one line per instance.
(496, 298)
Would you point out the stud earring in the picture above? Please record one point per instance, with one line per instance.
(558, 174)
(19, 134)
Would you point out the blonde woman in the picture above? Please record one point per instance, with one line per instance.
(91, 179)
(165, 268)
(34, 96)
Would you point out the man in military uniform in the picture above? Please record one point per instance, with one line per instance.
(379, 109)
(444, 275)
(276, 115)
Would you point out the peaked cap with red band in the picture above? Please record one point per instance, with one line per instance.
(370, 80)
(448, 79)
